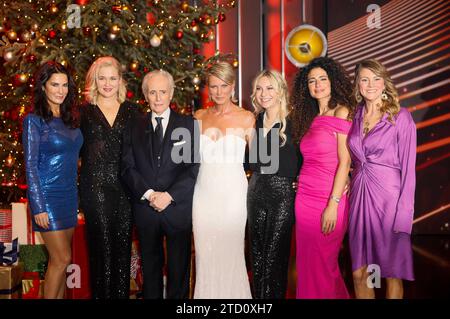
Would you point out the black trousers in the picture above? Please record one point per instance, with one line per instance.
(270, 205)
(152, 229)
(109, 225)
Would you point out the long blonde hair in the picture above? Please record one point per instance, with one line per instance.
(280, 85)
(224, 71)
(391, 105)
(91, 89)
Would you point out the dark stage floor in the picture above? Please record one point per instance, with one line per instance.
(431, 268)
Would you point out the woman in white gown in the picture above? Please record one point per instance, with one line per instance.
(219, 211)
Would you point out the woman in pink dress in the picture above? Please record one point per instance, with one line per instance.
(323, 105)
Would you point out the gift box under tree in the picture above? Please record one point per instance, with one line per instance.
(9, 253)
(10, 281)
(5, 225)
(32, 285)
(22, 226)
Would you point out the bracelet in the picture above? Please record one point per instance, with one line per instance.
(336, 199)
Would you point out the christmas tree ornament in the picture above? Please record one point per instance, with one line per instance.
(134, 66)
(211, 36)
(54, 8)
(195, 28)
(179, 34)
(151, 19)
(9, 160)
(35, 27)
(117, 9)
(31, 58)
(112, 36)
(12, 35)
(184, 6)
(87, 31)
(130, 94)
(114, 29)
(235, 63)
(52, 34)
(221, 17)
(196, 80)
(8, 56)
(82, 2)
(23, 78)
(26, 36)
(155, 41)
(63, 27)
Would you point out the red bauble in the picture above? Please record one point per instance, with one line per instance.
(130, 94)
(151, 19)
(31, 58)
(196, 51)
(146, 70)
(194, 23)
(86, 31)
(179, 34)
(221, 17)
(16, 81)
(82, 2)
(201, 19)
(52, 34)
(173, 106)
(117, 9)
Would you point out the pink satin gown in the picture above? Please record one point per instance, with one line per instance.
(318, 273)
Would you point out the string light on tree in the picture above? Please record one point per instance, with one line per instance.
(142, 35)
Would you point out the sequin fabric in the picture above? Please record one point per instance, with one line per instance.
(51, 154)
(270, 203)
(105, 202)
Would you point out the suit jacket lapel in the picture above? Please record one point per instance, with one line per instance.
(148, 145)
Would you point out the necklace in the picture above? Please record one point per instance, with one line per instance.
(366, 126)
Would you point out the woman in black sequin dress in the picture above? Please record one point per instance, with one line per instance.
(104, 199)
(271, 195)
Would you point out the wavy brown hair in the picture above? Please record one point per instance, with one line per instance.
(391, 106)
(306, 108)
(67, 108)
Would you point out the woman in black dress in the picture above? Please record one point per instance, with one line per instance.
(103, 198)
(271, 195)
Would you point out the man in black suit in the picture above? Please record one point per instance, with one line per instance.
(159, 167)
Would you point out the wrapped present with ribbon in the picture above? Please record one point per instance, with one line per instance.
(34, 258)
(5, 225)
(9, 253)
(11, 281)
(32, 286)
(22, 226)
(81, 288)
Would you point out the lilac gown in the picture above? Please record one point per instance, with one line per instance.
(382, 194)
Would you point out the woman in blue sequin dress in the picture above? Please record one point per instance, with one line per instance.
(51, 144)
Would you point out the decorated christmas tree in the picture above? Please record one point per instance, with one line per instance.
(142, 35)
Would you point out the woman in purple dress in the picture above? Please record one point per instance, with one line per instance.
(382, 143)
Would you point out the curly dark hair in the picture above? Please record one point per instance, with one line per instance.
(305, 107)
(40, 103)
